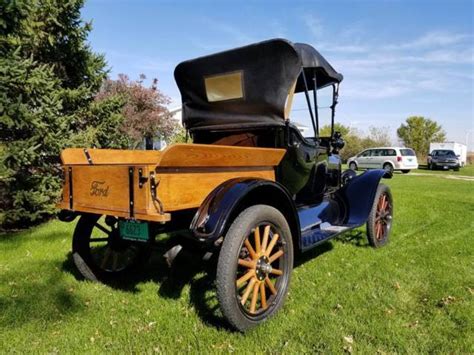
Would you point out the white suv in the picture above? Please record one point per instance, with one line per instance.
(388, 158)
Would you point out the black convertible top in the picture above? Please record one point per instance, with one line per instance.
(248, 86)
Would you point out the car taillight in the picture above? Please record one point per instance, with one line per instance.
(399, 158)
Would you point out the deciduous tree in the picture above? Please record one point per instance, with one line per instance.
(144, 110)
(418, 132)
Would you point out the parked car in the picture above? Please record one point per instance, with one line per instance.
(443, 158)
(387, 158)
(250, 189)
(459, 149)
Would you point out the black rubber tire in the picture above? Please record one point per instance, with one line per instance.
(371, 225)
(84, 259)
(227, 265)
(353, 166)
(405, 171)
(388, 168)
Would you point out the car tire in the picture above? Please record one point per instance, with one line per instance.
(353, 166)
(247, 273)
(98, 252)
(405, 171)
(379, 223)
(388, 168)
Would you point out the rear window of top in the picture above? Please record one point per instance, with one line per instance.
(407, 152)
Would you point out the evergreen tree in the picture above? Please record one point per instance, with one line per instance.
(48, 79)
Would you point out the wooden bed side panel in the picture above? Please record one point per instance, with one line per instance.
(105, 188)
(205, 155)
(184, 190)
(77, 156)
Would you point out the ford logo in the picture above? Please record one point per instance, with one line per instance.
(99, 188)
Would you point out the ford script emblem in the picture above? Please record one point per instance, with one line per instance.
(99, 188)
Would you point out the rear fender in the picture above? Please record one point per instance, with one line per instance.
(358, 195)
(226, 201)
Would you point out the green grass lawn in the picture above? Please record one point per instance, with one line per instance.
(414, 295)
(467, 170)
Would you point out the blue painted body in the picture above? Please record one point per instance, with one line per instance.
(347, 208)
(211, 219)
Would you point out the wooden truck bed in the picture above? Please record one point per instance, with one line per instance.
(121, 182)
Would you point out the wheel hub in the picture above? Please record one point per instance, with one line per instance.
(263, 268)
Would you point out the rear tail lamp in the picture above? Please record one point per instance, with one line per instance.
(399, 158)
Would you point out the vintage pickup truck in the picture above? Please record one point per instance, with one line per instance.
(250, 188)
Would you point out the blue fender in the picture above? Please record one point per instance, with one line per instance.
(231, 197)
(358, 196)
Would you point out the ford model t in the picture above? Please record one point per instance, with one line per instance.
(249, 189)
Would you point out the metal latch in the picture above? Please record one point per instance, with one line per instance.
(141, 178)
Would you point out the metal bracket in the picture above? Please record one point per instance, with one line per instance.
(130, 190)
(141, 179)
(88, 156)
(70, 187)
(153, 186)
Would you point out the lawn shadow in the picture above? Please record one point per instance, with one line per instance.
(354, 237)
(171, 276)
(187, 268)
(302, 258)
(31, 296)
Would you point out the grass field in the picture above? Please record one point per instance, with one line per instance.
(413, 296)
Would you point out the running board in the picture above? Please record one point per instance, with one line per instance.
(325, 231)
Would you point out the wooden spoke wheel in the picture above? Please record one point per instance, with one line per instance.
(379, 223)
(254, 266)
(98, 251)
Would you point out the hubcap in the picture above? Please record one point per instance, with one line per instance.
(259, 269)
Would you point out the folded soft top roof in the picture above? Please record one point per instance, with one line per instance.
(248, 86)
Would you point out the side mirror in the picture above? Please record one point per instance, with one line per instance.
(458, 156)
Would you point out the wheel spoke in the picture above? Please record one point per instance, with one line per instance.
(246, 263)
(276, 272)
(270, 285)
(379, 230)
(244, 278)
(272, 244)
(249, 247)
(263, 295)
(247, 291)
(253, 302)
(380, 203)
(114, 261)
(275, 256)
(96, 240)
(266, 233)
(102, 228)
(256, 235)
(108, 251)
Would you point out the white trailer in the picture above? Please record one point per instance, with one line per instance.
(458, 148)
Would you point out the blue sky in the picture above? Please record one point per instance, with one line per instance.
(398, 58)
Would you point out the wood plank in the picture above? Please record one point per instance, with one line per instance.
(162, 218)
(205, 155)
(188, 190)
(77, 156)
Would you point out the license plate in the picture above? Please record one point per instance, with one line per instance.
(445, 167)
(133, 230)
